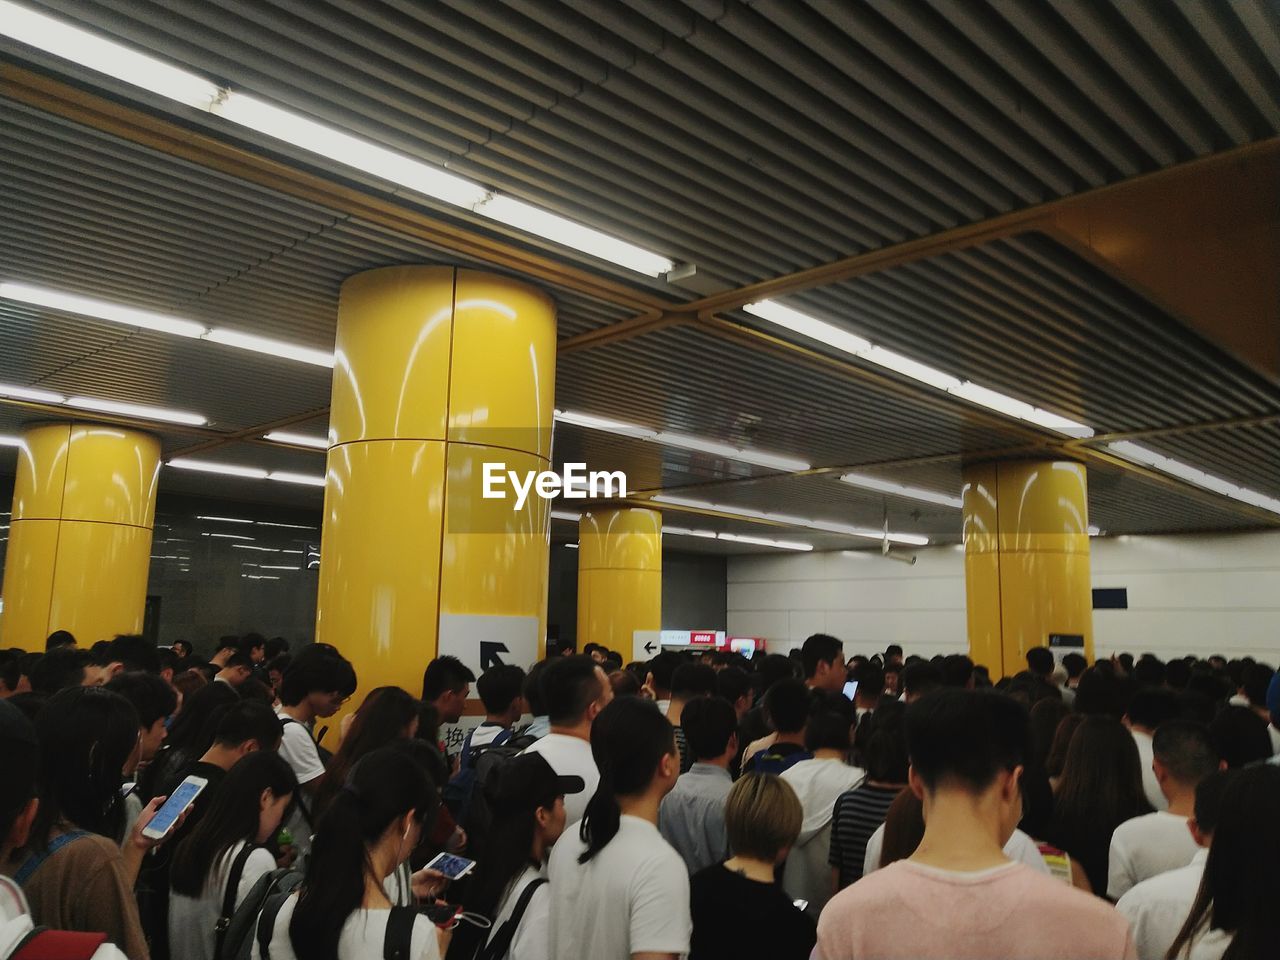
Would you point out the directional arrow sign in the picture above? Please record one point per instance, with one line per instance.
(650, 647)
(489, 654)
(482, 641)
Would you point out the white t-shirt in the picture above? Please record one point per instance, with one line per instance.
(192, 919)
(299, 751)
(570, 756)
(533, 937)
(1157, 908)
(1020, 848)
(1146, 846)
(631, 897)
(362, 937)
(1150, 785)
(15, 923)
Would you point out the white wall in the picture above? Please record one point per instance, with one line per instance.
(1187, 594)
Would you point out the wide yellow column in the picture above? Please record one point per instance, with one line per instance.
(438, 371)
(1026, 555)
(619, 576)
(84, 503)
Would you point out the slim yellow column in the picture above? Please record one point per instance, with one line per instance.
(439, 370)
(1026, 540)
(619, 576)
(84, 504)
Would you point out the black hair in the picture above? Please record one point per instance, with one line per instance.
(920, 677)
(232, 815)
(151, 697)
(1152, 706)
(186, 648)
(709, 724)
(887, 759)
(663, 668)
(384, 786)
(628, 740)
(1208, 808)
(830, 723)
(787, 706)
(957, 670)
(870, 679)
(1149, 671)
(238, 659)
(533, 689)
(506, 848)
(167, 659)
(1241, 736)
(771, 669)
(60, 668)
(569, 686)
(246, 720)
(693, 680)
(1186, 749)
(317, 669)
(21, 752)
(279, 663)
(134, 652)
(59, 638)
(1075, 663)
(229, 642)
(1240, 886)
(500, 686)
(733, 683)
(1100, 692)
(86, 735)
(1040, 661)
(966, 737)
(820, 648)
(11, 668)
(1126, 662)
(1254, 681)
(379, 721)
(251, 642)
(891, 650)
(100, 653)
(1176, 674)
(445, 674)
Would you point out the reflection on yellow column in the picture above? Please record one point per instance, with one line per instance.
(80, 535)
(1026, 540)
(439, 370)
(619, 577)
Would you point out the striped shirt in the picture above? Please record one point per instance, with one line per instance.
(857, 814)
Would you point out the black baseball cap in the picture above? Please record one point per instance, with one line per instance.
(527, 782)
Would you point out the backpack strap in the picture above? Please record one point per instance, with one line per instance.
(229, 897)
(298, 800)
(497, 948)
(267, 923)
(45, 944)
(398, 942)
(33, 862)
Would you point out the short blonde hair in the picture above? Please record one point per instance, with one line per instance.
(763, 815)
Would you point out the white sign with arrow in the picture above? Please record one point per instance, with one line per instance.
(482, 641)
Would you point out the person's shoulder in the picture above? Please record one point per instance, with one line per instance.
(1065, 900)
(89, 848)
(1172, 885)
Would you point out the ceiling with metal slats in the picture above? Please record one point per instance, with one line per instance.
(750, 138)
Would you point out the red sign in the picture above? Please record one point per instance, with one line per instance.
(702, 638)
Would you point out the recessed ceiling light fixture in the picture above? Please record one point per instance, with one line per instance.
(227, 469)
(427, 180)
(225, 519)
(298, 439)
(901, 490)
(737, 538)
(306, 479)
(137, 410)
(843, 340)
(1184, 471)
(825, 526)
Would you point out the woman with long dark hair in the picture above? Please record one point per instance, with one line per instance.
(620, 889)
(342, 911)
(75, 874)
(386, 715)
(1234, 916)
(1100, 788)
(244, 813)
(189, 737)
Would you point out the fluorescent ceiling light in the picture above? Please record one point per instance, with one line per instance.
(273, 348)
(247, 546)
(230, 470)
(565, 515)
(137, 410)
(869, 533)
(256, 576)
(116, 313)
(28, 393)
(571, 546)
(898, 489)
(284, 476)
(227, 536)
(1184, 471)
(728, 451)
(1094, 531)
(840, 339)
(225, 519)
(298, 439)
(286, 526)
(686, 532)
(7, 441)
(270, 566)
(764, 542)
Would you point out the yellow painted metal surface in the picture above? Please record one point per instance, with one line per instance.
(1026, 537)
(80, 536)
(619, 576)
(438, 372)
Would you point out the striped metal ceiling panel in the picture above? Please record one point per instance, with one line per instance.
(1247, 456)
(752, 138)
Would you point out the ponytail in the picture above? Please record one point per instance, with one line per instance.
(628, 741)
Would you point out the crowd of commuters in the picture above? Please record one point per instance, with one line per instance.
(703, 806)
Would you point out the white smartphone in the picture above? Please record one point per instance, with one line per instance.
(172, 809)
(800, 904)
(851, 689)
(455, 868)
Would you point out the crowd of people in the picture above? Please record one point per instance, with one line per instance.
(695, 805)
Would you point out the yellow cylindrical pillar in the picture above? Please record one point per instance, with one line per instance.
(84, 503)
(1026, 553)
(619, 576)
(438, 371)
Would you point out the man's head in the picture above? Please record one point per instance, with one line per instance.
(691, 681)
(246, 726)
(59, 639)
(1241, 736)
(18, 801)
(787, 706)
(576, 690)
(734, 684)
(321, 677)
(1040, 661)
(446, 684)
(957, 671)
(253, 646)
(155, 702)
(892, 678)
(971, 744)
(893, 654)
(182, 648)
(870, 679)
(1076, 664)
(662, 669)
(533, 689)
(62, 668)
(711, 729)
(1150, 707)
(13, 675)
(634, 748)
(1183, 754)
(501, 691)
(1149, 671)
(919, 678)
(1255, 678)
(1208, 806)
(830, 725)
(237, 669)
(823, 658)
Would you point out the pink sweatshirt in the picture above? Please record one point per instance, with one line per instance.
(908, 911)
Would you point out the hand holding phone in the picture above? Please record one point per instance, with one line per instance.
(178, 803)
(451, 866)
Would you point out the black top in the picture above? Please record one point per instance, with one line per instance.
(736, 918)
(857, 815)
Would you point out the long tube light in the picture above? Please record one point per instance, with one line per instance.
(1184, 471)
(118, 61)
(728, 451)
(31, 393)
(833, 336)
(825, 526)
(137, 410)
(298, 439)
(7, 441)
(249, 473)
(738, 538)
(901, 490)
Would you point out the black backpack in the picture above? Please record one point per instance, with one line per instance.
(234, 933)
(474, 814)
(397, 944)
